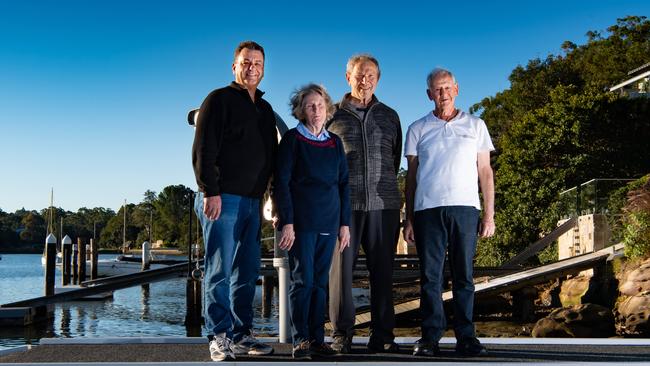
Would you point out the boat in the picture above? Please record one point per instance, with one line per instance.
(120, 265)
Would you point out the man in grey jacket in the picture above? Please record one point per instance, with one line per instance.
(372, 138)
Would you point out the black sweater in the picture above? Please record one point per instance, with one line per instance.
(235, 143)
(311, 188)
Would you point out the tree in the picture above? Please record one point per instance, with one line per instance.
(556, 127)
(34, 228)
(172, 206)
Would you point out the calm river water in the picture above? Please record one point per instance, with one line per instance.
(132, 312)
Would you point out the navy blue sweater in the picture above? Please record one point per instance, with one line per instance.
(311, 188)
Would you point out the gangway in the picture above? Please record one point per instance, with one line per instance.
(516, 281)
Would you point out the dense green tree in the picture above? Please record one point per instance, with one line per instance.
(173, 207)
(557, 126)
(112, 235)
(34, 228)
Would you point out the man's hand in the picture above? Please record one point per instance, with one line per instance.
(408, 233)
(212, 207)
(287, 237)
(487, 227)
(344, 238)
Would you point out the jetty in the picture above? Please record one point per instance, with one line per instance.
(194, 351)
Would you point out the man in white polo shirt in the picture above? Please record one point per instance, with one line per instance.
(448, 154)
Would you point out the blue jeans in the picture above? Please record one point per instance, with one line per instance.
(451, 229)
(309, 261)
(232, 264)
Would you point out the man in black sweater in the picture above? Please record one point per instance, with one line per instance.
(233, 155)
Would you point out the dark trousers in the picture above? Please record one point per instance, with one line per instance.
(309, 262)
(376, 232)
(451, 229)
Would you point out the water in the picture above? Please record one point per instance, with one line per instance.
(132, 312)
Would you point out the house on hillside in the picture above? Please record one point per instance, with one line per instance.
(638, 84)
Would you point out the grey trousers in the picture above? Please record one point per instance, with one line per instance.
(376, 232)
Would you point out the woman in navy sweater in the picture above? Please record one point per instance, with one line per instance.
(312, 199)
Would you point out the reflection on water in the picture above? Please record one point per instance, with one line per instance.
(151, 310)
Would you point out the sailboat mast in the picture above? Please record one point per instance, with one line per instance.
(124, 227)
(50, 226)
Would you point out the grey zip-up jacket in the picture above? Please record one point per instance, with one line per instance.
(373, 147)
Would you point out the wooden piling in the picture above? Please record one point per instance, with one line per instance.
(66, 244)
(193, 315)
(75, 264)
(50, 264)
(81, 261)
(268, 283)
(146, 255)
(94, 257)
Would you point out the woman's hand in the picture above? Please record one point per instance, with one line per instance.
(287, 237)
(344, 238)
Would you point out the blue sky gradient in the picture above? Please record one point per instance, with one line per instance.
(94, 95)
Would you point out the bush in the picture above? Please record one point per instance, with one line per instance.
(636, 221)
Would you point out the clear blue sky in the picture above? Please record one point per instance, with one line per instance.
(94, 94)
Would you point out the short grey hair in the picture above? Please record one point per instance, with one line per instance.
(297, 100)
(359, 58)
(438, 71)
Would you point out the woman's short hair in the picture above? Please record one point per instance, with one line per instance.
(297, 100)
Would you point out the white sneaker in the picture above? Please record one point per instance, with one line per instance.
(250, 345)
(220, 349)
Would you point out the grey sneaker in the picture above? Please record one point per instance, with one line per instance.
(220, 349)
(251, 346)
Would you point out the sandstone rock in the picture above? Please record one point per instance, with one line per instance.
(636, 281)
(573, 290)
(578, 321)
(633, 315)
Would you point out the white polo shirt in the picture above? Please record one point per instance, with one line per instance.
(447, 152)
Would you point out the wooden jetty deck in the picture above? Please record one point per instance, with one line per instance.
(514, 281)
(193, 351)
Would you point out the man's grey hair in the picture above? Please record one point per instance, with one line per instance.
(439, 71)
(359, 58)
(298, 98)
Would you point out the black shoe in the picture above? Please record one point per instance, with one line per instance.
(375, 347)
(322, 350)
(424, 348)
(342, 344)
(470, 347)
(302, 351)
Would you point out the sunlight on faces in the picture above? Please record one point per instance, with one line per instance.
(315, 109)
(443, 92)
(248, 68)
(363, 80)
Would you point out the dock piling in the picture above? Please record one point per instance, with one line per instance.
(66, 244)
(50, 264)
(146, 255)
(94, 257)
(81, 261)
(281, 263)
(268, 283)
(75, 264)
